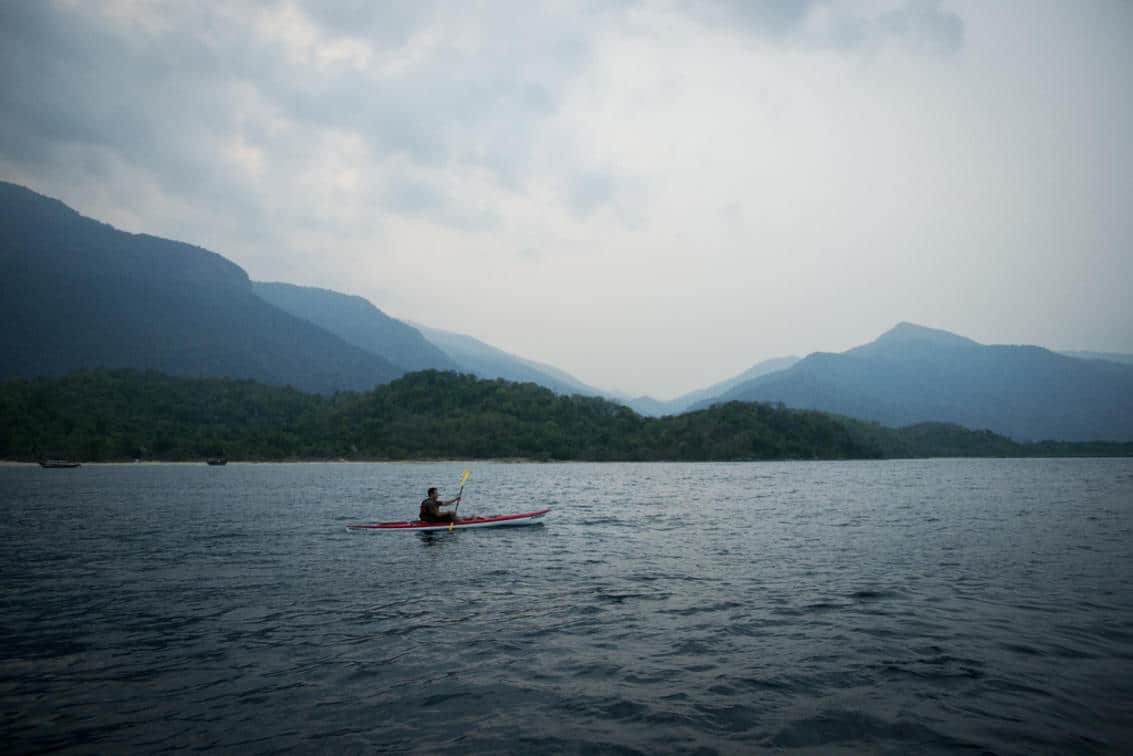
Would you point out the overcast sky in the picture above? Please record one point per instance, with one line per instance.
(652, 196)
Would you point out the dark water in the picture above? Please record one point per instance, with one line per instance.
(880, 607)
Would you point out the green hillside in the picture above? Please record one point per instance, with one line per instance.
(121, 415)
(124, 415)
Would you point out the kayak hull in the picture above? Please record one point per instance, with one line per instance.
(467, 523)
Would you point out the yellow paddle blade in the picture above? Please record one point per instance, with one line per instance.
(465, 477)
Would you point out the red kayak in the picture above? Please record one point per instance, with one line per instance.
(493, 521)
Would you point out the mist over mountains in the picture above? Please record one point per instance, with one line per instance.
(76, 293)
(486, 361)
(649, 406)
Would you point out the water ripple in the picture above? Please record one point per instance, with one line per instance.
(978, 606)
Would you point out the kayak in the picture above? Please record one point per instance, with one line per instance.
(492, 521)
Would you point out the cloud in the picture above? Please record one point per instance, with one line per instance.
(231, 101)
(417, 197)
(590, 191)
(174, 87)
(917, 25)
(923, 27)
(391, 23)
(413, 196)
(771, 18)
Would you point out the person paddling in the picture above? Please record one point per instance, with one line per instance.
(431, 508)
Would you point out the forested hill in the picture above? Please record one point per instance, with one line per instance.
(436, 414)
(105, 415)
(124, 415)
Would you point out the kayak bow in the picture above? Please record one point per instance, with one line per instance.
(522, 518)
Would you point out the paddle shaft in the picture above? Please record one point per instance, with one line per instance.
(458, 499)
(463, 480)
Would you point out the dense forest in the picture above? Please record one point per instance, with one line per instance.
(126, 415)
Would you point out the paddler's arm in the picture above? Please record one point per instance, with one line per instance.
(450, 501)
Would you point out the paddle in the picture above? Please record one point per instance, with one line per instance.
(463, 480)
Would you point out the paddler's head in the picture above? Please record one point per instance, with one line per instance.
(432, 493)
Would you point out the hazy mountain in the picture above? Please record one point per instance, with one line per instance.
(486, 361)
(913, 374)
(1124, 359)
(905, 337)
(356, 321)
(647, 405)
(76, 293)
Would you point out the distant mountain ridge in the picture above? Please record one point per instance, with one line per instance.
(486, 361)
(905, 335)
(76, 293)
(358, 322)
(647, 405)
(1123, 359)
(913, 374)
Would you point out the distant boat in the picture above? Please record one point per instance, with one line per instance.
(217, 461)
(60, 463)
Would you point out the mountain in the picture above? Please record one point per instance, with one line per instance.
(913, 374)
(905, 337)
(1124, 359)
(647, 405)
(76, 293)
(486, 361)
(356, 321)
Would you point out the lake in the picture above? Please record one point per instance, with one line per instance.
(933, 606)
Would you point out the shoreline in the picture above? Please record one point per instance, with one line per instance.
(526, 461)
(202, 463)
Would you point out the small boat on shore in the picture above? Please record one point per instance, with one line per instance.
(58, 463)
(217, 461)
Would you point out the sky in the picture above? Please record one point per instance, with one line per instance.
(653, 196)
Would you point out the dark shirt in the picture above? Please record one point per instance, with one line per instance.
(430, 510)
